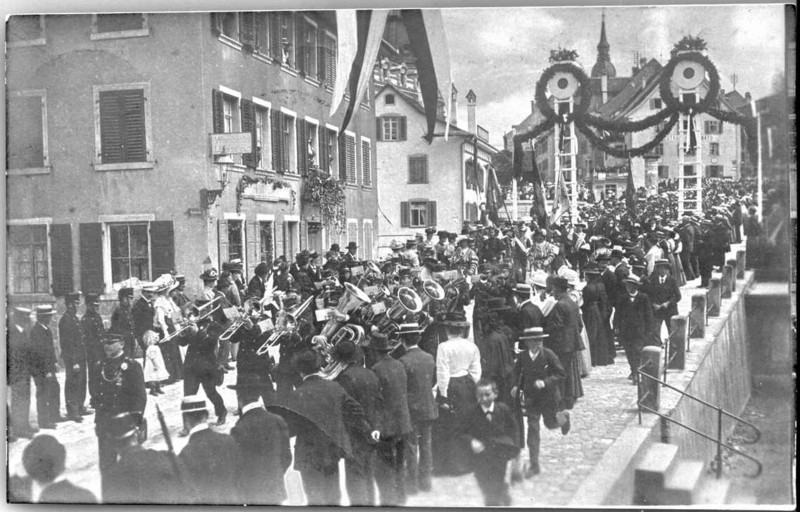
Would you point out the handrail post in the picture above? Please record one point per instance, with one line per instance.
(697, 318)
(714, 296)
(727, 282)
(719, 442)
(740, 263)
(678, 338)
(651, 365)
(734, 273)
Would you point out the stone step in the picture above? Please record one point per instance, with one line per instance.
(651, 473)
(682, 483)
(714, 491)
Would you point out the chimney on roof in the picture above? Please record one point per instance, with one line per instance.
(642, 62)
(604, 88)
(472, 122)
(454, 107)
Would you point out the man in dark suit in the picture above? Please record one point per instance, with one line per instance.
(116, 386)
(362, 384)
(394, 422)
(140, 476)
(143, 314)
(257, 284)
(320, 413)
(19, 373)
(73, 353)
(43, 363)
(43, 460)
(497, 354)
(537, 376)
(564, 325)
(664, 294)
(492, 431)
(122, 320)
(350, 258)
(421, 377)
(93, 328)
(635, 323)
(263, 440)
(529, 314)
(211, 460)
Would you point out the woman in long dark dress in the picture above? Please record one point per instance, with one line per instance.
(595, 304)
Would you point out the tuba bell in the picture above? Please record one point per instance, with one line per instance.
(407, 302)
(351, 300)
(431, 291)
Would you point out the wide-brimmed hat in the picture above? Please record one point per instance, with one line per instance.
(539, 278)
(430, 230)
(533, 333)
(632, 278)
(193, 403)
(44, 310)
(352, 245)
(523, 288)
(210, 274)
(617, 253)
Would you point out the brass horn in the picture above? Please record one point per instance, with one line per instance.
(250, 306)
(201, 313)
(285, 323)
(407, 301)
(431, 291)
(352, 298)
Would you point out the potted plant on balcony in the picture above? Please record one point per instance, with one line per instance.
(320, 189)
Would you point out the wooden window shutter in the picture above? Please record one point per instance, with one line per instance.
(253, 234)
(247, 27)
(720, 123)
(300, 44)
(302, 148)
(222, 242)
(275, 35)
(405, 214)
(260, 25)
(249, 125)
(302, 234)
(216, 23)
(122, 126)
(322, 158)
(279, 248)
(91, 249)
(351, 159)
(366, 163)
(342, 158)
(379, 129)
(330, 59)
(321, 55)
(218, 111)
(277, 140)
(162, 247)
(61, 258)
(401, 128)
(432, 213)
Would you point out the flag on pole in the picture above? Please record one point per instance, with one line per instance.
(494, 197)
(440, 58)
(630, 194)
(561, 200)
(346, 48)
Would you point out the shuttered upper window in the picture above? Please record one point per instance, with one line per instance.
(366, 162)
(391, 128)
(418, 169)
(112, 26)
(27, 131)
(330, 59)
(122, 127)
(349, 158)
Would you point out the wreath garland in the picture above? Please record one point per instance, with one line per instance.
(246, 181)
(587, 122)
(327, 193)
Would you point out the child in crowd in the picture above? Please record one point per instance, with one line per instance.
(492, 433)
(155, 371)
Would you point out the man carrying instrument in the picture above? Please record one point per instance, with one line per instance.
(200, 367)
(116, 385)
(249, 338)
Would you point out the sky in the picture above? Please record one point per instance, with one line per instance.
(500, 52)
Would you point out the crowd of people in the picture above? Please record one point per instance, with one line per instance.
(374, 362)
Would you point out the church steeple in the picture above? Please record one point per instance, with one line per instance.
(603, 66)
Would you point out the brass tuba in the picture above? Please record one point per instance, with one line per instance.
(431, 291)
(285, 323)
(352, 298)
(407, 301)
(350, 332)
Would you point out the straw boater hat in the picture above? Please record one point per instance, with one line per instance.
(533, 333)
(409, 328)
(523, 288)
(662, 261)
(633, 278)
(539, 278)
(45, 310)
(193, 403)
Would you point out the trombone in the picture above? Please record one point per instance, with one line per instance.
(285, 323)
(250, 306)
(198, 311)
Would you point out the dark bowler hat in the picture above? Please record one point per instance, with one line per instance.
(533, 333)
(123, 426)
(210, 274)
(345, 351)
(109, 338)
(125, 292)
(193, 403)
(559, 282)
(334, 248)
(72, 298)
(91, 298)
(352, 245)
(616, 253)
(45, 309)
(379, 342)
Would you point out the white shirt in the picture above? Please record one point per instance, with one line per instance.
(455, 358)
(490, 410)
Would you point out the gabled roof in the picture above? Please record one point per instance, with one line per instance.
(636, 88)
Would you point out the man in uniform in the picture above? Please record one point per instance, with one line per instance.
(43, 363)
(93, 328)
(73, 353)
(212, 459)
(19, 373)
(116, 385)
(122, 320)
(394, 423)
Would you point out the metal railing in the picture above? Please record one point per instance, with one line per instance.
(720, 413)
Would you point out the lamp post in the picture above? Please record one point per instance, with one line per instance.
(222, 163)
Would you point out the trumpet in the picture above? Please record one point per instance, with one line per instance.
(352, 298)
(285, 323)
(250, 306)
(201, 312)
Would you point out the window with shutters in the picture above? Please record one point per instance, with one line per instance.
(393, 128)
(663, 171)
(328, 151)
(266, 248)
(28, 262)
(418, 169)
(329, 47)
(307, 144)
(366, 162)
(309, 49)
(27, 133)
(287, 43)
(713, 149)
(291, 243)
(713, 126)
(25, 30)
(283, 145)
(261, 126)
(129, 247)
(122, 127)
(235, 240)
(350, 157)
(261, 33)
(418, 214)
(112, 26)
